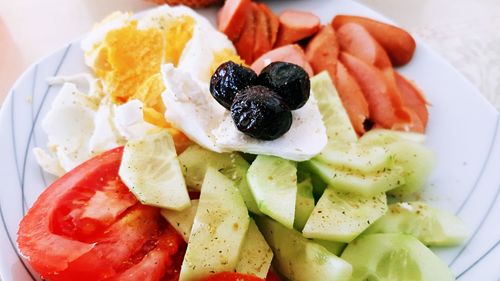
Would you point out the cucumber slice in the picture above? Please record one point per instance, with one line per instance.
(394, 257)
(341, 216)
(195, 160)
(319, 186)
(338, 126)
(273, 182)
(300, 259)
(348, 180)
(182, 221)
(333, 247)
(151, 170)
(364, 159)
(417, 162)
(431, 226)
(219, 229)
(304, 204)
(256, 255)
(381, 137)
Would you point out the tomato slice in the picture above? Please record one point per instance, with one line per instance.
(88, 226)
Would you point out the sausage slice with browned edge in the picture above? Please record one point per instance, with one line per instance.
(385, 103)
(398, 43)
(232, 16)
(352, 98)
(357, 41)
(323, 50)
(295, 26)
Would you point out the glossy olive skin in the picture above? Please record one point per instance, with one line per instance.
(288, 80)
(261, 113)
(228, 80)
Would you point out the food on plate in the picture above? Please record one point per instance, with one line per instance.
(394, 257)
(190, 3)
(231, 18)
(289, 81)
(178, 161)
(288, 53)
(322, 51)
(150, 168)
(261, 113)
(352, 97)
(88, 226)
(355, 40)
(431, 226)
(295, 26)
(384, 102)
(228, 80)
(399, 44)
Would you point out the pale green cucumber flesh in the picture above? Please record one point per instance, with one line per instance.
(431, 226)
(417, 162)
(219, 229)
(382, 137)
(333, 247)
(273, 182)
(304, 204)
(391, 257)
(364, 159)
(300, 259)
(256, 255)
(195, 160)
(352, 181)
(182, 221)
(151, 170)
(339, 129)
(341, 217)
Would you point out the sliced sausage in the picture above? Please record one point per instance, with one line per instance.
(384, 102)
(357, 41)
(323, 50)
(273, 22)
(295, 26)
(245, 44)
(289, 53)
(232, 16)
(352, 98)
(398, 43)
(262, 36)
(412, 98)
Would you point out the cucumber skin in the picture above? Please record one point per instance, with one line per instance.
(431, 226)
(365, 254)
(300, 259)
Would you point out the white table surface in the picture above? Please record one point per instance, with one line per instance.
(465, 32)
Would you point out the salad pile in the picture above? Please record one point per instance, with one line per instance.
(273, 148)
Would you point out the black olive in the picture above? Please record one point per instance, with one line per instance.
(229, 79)
(288, 80)
(259, 112)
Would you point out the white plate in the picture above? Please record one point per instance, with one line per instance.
(463, 130)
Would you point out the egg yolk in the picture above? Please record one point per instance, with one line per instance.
(129, 58)
(223, 56)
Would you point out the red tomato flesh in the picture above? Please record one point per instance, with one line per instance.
(88, 226)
